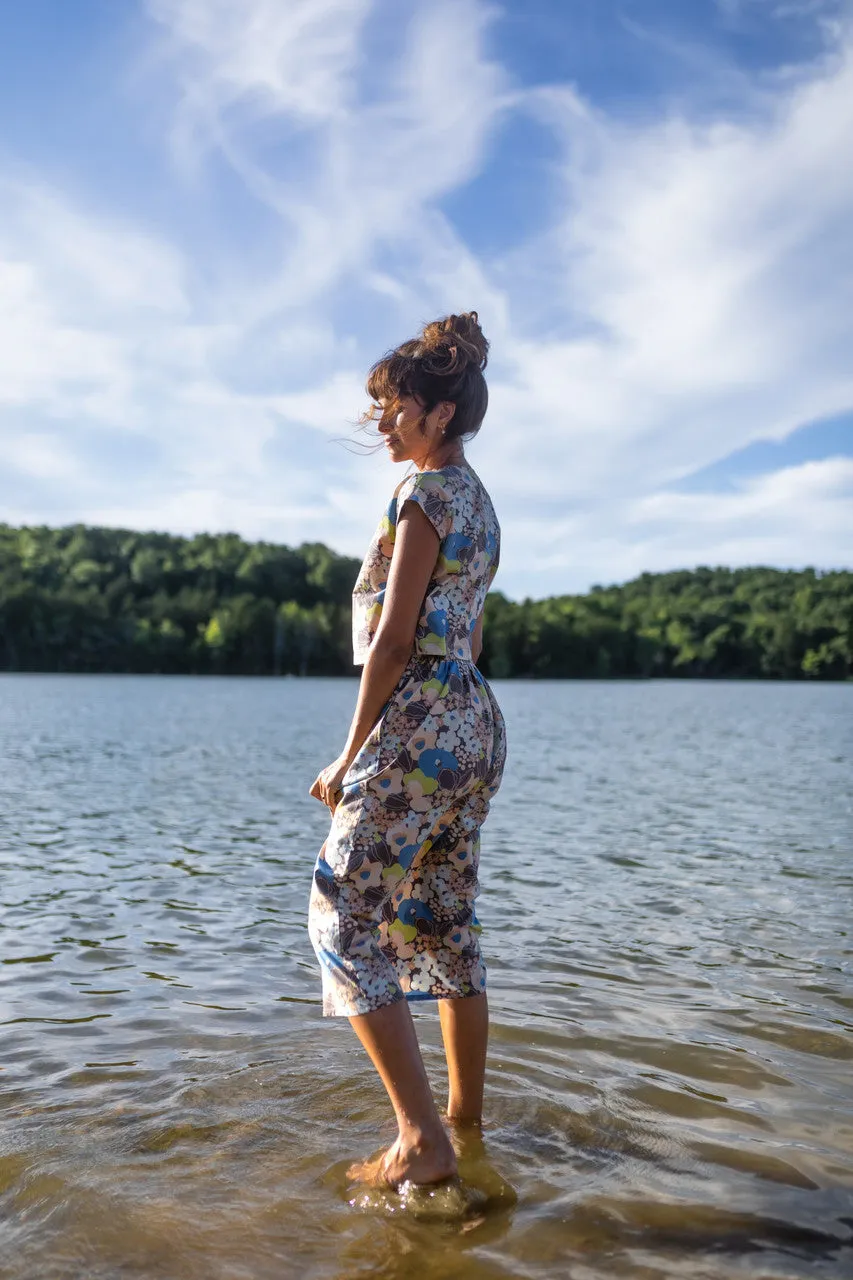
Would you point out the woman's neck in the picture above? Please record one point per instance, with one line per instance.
(450, 456)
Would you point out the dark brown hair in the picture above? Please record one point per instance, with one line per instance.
(445, 362)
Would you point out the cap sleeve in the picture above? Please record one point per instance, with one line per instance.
(430, 491)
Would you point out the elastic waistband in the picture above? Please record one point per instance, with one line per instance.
(443, 657)
(436, 662)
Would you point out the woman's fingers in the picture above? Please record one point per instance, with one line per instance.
(318, 791)
(330, 797)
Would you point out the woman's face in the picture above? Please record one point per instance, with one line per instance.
(411, 437)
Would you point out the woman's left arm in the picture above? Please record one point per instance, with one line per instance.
(416, 547)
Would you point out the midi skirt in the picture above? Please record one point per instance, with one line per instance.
(391, 913)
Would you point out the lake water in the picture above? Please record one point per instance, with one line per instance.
(667, 907)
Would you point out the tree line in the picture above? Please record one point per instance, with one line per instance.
(91, 599)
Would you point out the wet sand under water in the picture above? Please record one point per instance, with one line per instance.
(667, 901)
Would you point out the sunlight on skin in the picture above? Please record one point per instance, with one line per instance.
(422, 1152)
(412, 436)
(479, 1189)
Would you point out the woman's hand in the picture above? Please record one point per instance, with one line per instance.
(327, 785)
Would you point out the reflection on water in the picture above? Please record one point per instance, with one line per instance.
(667, 905)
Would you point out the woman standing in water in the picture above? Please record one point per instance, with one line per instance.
(392, 904)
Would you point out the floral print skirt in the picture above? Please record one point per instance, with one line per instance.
(391, 913)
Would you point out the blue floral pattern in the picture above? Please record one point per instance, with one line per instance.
(392, 912)
(460, 510)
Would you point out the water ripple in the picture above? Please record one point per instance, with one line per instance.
(667, 901)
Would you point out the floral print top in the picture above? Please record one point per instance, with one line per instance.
(460, 510)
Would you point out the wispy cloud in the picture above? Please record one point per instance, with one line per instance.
(708, 270)
(689, 293)
(263, 59)
(387, 140)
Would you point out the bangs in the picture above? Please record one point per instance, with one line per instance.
(391, 378)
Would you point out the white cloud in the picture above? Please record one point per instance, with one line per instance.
(377, 161)
(42, 455)
(265, 57)
(825, 11)
(83, 303)
(691, 293)
(701, 276)
(812, 485)
(796, 516)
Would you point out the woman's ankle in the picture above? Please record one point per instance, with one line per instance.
(424, 1137)
(464, 1112)
(460, 1120)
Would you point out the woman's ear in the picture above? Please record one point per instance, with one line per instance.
(446, 411)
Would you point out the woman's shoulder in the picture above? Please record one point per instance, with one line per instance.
(443, 484)
(452, 479)
(456, 486)
(435, 493)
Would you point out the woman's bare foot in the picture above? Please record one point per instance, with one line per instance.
(419, 1159)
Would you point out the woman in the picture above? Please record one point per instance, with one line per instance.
(392, 905)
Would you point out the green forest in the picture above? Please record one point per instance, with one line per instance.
(85, 599)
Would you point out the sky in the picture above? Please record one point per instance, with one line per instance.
(216, 214)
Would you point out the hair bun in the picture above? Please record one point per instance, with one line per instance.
(449, 345)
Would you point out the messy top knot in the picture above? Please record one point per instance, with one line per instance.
(454, 342)
(444, 363)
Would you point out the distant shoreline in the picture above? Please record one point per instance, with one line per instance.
(103, 601)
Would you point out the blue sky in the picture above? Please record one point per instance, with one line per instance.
(214, 215)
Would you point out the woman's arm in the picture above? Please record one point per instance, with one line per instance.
(416, 547)
(415, 553)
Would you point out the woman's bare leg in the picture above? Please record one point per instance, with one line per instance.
(422, 1152)
(465, 1031)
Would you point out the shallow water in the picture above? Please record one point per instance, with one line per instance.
(667, 894)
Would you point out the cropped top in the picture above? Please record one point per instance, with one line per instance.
(460, 510)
